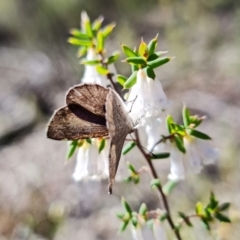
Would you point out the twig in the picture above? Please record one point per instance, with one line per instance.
(109, 75)
(155, 176)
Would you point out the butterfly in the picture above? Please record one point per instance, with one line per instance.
(93, 111)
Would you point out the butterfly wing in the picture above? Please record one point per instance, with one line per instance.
(119, 125)
(84, 116)
(90, 96)
(66, 125)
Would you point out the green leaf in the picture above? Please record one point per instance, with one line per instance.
(88, 28)
(185, 219)
(78, 42)
(221, 217)
(108, 29)
(127, 206)
(195, 121)
(206, 224)
(179, 143)
(136, 179)
(89, 140)
(135, 60)
(160, 155)
(200, 209)
(213, 202)
(155, 183)
(169, 121)
(169, 186)
(102, 70)
(128, 147)
(197, 134)
(158, 62)
(163, 216)
(186, 116)
(131, 168)
(134, 68)
(223, 206)
(128, 51)
(100, 41)
(97, 23)
(150, 73)
(143, 209)
(81, 51)
(152, 57)
(121, 79)
(152, 45)
(71, 148)
(134, 221)
(131, 81)
(76, 33)
(120, 215)
(123, 226)
(143, 49)
(90, 62)
(102, 145)
(113, 58)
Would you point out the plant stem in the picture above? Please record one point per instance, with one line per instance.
(155, 176)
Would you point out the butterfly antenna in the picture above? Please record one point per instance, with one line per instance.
(133, 101)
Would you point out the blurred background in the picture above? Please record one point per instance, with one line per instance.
(38, 198)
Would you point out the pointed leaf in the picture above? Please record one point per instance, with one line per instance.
(158, 62)
(97, 23)
(131, 168)
(143, 209)
(128, 147)
(185, 219)
(223, 206)
(143, 49)
(71, 148)
(79, 42)
(152, 45)
(102, 70)
(179, 143)
(121, 79)
(197, 134)
(90, 62)
(108, 29)
(123, 226)
(127, 206)
(113, 58)
(186, 116)
(155, 183)
(200, 209)
(100, 41)
(78, 34)
(222, 218)
(156, 156)
(131, 80)
(169, 121)
(128, 51)
(169, 186)
(101, 145)
(81, 51)
(136, 60)
(150, 73)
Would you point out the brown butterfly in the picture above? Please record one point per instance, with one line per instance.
(93, 111)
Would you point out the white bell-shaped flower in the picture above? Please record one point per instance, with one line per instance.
(198, 153)
(94, 165)
(90, 163)
(150, 100)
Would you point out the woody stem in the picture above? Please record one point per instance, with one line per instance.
(159, 187)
